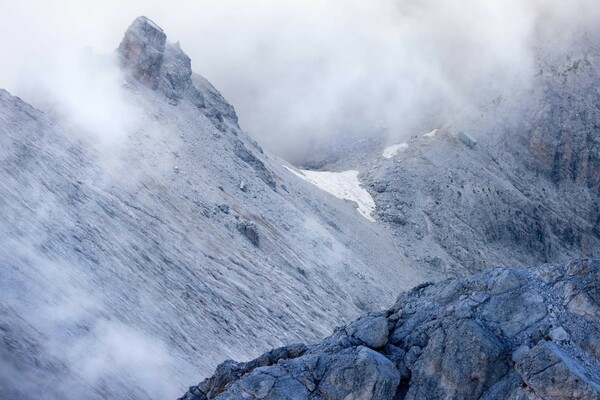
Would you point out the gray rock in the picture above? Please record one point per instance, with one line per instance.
(515, 312)
(558, 334)
(520, 352)
(251, 159)
(127, 251)
(371, 330)
(176, 76)
(552, 374)
(249, 229)
(581, 304)
(142, 51)
(354, 373)
(490, 354)
(461, 361)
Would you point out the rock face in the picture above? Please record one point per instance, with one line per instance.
(564, 135)
(505, 334)
(163, 66)
(125, 272)
(143, 50)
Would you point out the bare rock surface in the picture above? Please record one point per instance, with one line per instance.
(466, 338)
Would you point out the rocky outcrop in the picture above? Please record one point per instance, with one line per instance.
(142, 51)
(163, 66)
(505, 334)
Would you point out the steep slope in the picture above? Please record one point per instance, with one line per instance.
(505, 334)
(126, 272)
(463, 210)
(526, 193)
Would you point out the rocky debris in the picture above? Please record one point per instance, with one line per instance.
(504, 334)
(249, 229)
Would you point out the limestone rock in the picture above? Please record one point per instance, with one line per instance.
(420, 349)
(248, 229)
(142, 50)
(160, 65)
(371, 330)
(553, 374)
(559, 334)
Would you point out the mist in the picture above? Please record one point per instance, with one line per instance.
(299, 73)
(302, 75)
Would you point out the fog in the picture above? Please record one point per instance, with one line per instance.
(297, 72)
(301, 74)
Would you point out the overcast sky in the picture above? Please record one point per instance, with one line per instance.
(300, 70)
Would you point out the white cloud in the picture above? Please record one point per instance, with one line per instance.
(300, 70)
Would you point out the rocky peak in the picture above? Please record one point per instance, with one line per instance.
(142, 50)
(156, 63)
(166, 68)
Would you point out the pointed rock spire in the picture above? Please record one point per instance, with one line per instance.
(142, 50)
(163, 66)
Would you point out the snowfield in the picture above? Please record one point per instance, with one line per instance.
(344, 185)
(393, 150)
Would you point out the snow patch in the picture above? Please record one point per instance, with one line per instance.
(391, 151)
(344, 185)
(430, 134)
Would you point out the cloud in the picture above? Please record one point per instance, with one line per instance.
(298, 71)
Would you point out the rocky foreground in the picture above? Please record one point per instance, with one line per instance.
(505, 334)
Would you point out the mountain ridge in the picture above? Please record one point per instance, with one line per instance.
(121, 265)
(183, 231)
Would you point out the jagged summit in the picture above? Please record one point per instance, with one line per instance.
(143, 49)
(161, 65)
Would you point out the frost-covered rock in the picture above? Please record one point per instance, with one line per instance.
(161, 65)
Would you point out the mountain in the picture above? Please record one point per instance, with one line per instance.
(513, 185)
(504, 334)
(134, 263)
(127, 270)
(526, 193)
